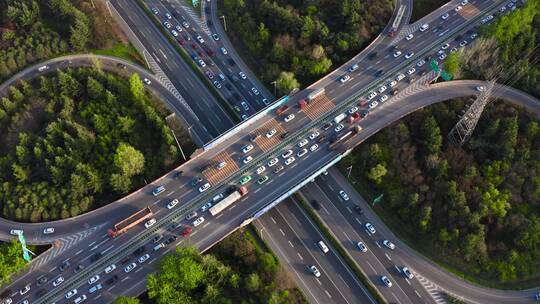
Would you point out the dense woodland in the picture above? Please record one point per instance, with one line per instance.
(76, 140)
(298, 41)
(33, 30)
(239, 269)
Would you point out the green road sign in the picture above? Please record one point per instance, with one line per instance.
(378, 199)
(435, 67)
(26, 256)
(195, 3)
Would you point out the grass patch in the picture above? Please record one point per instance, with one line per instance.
(120, 50)
(422, 8)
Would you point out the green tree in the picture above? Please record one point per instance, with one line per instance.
(286, 82)
(452, 64)
(253, 282)
(126, 300)
(377, 173)
(80, 32)
(136, 86)
(432, 135)
(128, 160)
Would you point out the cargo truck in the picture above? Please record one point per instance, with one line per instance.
(130, 222)
(235, 195)
(345, 136)
(340, 118)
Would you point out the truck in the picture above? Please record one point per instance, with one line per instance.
(340, 118)
(234, 196)
(281, 109)
(302, 104)
(130, 222)
(315, 94)
(354, 117)
(344, 137)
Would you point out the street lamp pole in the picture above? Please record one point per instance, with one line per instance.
(224, 22)
(349, 169)
(275, 87)
(178, 144)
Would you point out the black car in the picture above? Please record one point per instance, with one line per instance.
(196, 180)
(64, 266)
(79, 268)
(138, 251)
(358, 209)
(169, 240)
(372, 55)
(40, 293)
(315, 205)
(96, 257)
(172, 227)
(321, 138)
(41, 281)
(156, 238)
(111, 280)
(364, 113)
(231, 62)
(125, 260)
(177, 174)
(284, 135)
(327, 126)
(379, 73)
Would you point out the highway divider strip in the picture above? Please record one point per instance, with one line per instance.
(226, 106)
(360, 274)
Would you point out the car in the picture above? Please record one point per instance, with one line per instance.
(171, 228)
(242, 75)
(201, 63)
(58, 281)
(224, 51)
(458, 8)
(244, 105)
(110, 268)
(172, 203)
(389, 244)
(371, 95)
(143, 258)
(217, 198)
(168, 16)
(260, 170)
(361, 246)
(40, 293)
(155, 11)
(130, 267)
(314, 135)
(167, 24)
(158, 190)
(196, 180)
(370, 228)
(411, 71)
(147, 81)
(198, 221)
(265, 101)
(339, 127)
(302, 143)
(445, 46)
(326, 126)
(353, 67)
(353, 110)
(383, 98)
(289, 117)
(420, 63)
(409, 55)
(206, 207)
(186, 231)
(93, 279)
(302, 152)
(174, 33)
(245, 179)
(178, 28)
(185, 24)
(157, 238)
(247, 159)
(314, 148)
(263, 179)
(386, 281)
(364, 113)
(65, 265)
(289, 160)
(79, 268)
(315, 271)
(409, 37)
(345, 78)
(247, 148)
(216, 37)
(271, 133)
(344, 195)
(217, 84)
(392, 83)
(209, 74)
(538, 297)
(408, 273)
(255, 91)
(463, 43)
(358, 209)
(464, 2)
(95, 288)
(453, 50)
(278, 169)
(473, 36)
(382, 89)
(400, 77)
(379, 73)
(397, 54)
(204, 187)
(49, 230)
(200, 39)
(287, 153)
(25, 289)
(424, 27)
(442, 56)
(373, 104)
(272, 162)
(150, 223)
(71, 293)
(445, 16)
(111, 280)
(42, 280)
(480, 88)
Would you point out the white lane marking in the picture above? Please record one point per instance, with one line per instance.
(359, 222)
(327, 293)
(371, 266)
(170, 193)
(219, 216)
(300, 256)
(416, 292)
(281, 230)
(257, 190)
(206, 225)
(163, 54)
(378, 62)
(378, 245)
(124, 279)
(273, 220)
(78, 252)
(387, 256)
(290, 243)
(91, 244)
(52, 269)
(348, 209)
(140, 268)
(108, 248)
(344, 281)
(348, 238)
(156, 202)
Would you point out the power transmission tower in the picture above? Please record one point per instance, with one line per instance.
(464, 128)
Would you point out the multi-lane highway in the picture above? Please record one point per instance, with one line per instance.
(264, 149)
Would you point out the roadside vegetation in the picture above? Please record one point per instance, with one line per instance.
(297, 42)
(422, 8)
(31, 31)
(78, 139)
(11, 260)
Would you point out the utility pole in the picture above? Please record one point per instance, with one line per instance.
(224, 22)
(275, 87)
(349, 169)
(177, 143)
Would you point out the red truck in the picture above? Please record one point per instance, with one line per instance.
(281, 109)
(130, 222)
(354, 117)
(302, 104)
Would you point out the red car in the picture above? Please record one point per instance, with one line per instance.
(187, 231)
(181, 42)
(362, 102)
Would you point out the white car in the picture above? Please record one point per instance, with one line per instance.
(353, 110)
(382, 89)
(289, 117)
(442, 56)
(58, 281)
(445, 16)
(383, 98)
(392, 83)
(247, 159)
(202, 63)
(172, 203)
(255, 91)
(397, 54)
(464, 2)
(200, 39)
(411, 71)
(458, 8)
(147, 81)
(409, 55)
(314, 147)
(143, 258)
(353, 68)
(204, 187)
(302, 143)
(93, 279)
(25, 289)
(247, 148)
(198, 221)
(407, 272)
(168, 16)
(48, 230)
(314, 135)
(361, 246)
(302, 152)
(71, 293)
(445, 46)
(224, 51)
(81, 298)
(174, 33)
(339, 127)
(167, 24)
(261, 169)
(206, 207)
(371, 95)
(386, 281)
(289, 160)
(344, 195)
(185, 24)
(271, 133)
(400, 77)
(130, 267)
(370, 228)
(389, 244)
(480, 88)
(424, 27)
(373, 104)
(150, 223)
(178, 28)
(110, 268)
(286, 154)
(345, 78)
(315, 271)
(242, 75)
(409, 37)
(420, 63)
(463, 43)
(273, 161)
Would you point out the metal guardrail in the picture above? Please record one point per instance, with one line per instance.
(145, 235)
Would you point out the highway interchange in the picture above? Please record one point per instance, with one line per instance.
(212, 231)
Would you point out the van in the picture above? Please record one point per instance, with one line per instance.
(323, 246)
(339, 118)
